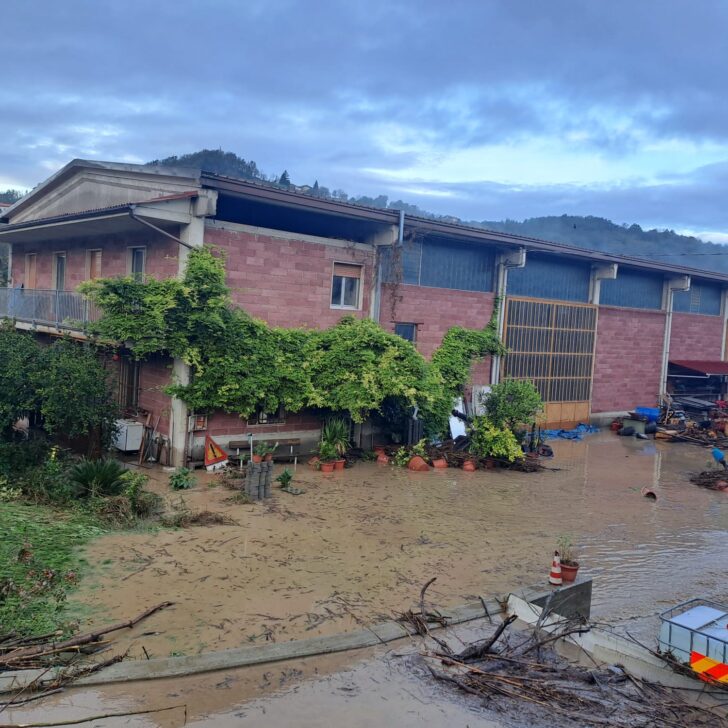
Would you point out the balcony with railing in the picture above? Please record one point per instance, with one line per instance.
(57, 309)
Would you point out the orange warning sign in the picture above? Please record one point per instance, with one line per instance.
(213, 452)
(708, 669)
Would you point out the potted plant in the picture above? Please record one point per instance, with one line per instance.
(439, 463)
(270, 449)
(260, 451)
(418, 457)
(327, 456)
(335, 432)
(490, 441)
(285, 478)
(569, 565)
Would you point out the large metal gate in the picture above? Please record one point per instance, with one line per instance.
(552, 344)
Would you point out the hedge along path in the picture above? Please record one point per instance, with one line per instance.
(377, 634)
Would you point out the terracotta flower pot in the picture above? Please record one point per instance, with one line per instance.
(339, 464)
(379, 449)
(327, 467)
(257, 458)
(383, 459)
(439, 463)
(268, 457)
(418, 464)
(469, 466)
(314, 462)
(568, 571)
(489, 464)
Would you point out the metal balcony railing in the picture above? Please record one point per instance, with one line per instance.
(60, 309)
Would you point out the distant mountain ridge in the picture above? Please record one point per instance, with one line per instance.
(592, 233)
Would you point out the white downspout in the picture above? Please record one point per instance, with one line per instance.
(679, 283)
(512, 259)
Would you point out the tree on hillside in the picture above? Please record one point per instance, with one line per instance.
(284, 180)
(215, 161)
(10, 196)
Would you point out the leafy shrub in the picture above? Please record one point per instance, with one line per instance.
(49, 482)
(19, 455)
(285, 478)
(487, 440)
(182, 479)
(96, 478)
(512, 402)
(8, 494)
(401, 457)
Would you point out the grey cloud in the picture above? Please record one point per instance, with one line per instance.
(169, 78)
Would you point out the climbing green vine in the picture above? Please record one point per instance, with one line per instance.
(239, 363)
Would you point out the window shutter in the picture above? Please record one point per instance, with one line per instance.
(349, 271)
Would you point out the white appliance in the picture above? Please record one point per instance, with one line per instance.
(128, 436)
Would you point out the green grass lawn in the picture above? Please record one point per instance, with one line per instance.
(40, 563)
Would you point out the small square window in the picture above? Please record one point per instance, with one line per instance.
(345, 286)
(406, 331)
(261, 417)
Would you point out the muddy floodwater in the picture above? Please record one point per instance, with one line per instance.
(357, 546)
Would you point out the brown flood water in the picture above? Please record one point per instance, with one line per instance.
(358, 545)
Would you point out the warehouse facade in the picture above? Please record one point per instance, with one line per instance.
(594, 332)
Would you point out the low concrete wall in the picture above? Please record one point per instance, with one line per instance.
(568, 598)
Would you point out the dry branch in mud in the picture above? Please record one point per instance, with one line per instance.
(47, 652)
(525, 675)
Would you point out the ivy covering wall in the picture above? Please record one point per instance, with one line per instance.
(239, 363)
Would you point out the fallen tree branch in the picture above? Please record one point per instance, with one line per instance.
(27, 653)
(476, 650)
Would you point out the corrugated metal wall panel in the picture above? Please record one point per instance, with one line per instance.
(455, 266)
(632, 289)
(552, 278)
(701, 298)
(441, 264)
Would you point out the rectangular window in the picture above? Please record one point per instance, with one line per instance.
(346, 286)
(268, 418)
(59, 271)
(702, 298)
(406, 331)
(128, 394)
(137, 263)
(31, 270)
(94, 264)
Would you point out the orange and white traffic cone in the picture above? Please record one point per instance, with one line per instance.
(555, 573)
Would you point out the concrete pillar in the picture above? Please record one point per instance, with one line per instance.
(193, 234)
(677, 283)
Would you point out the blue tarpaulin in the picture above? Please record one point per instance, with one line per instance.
(576, 434)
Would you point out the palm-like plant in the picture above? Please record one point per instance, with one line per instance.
(336, 433)
(98, 477)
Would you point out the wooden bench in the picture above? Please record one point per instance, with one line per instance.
(243, 446)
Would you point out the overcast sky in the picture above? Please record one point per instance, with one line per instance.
(484, 109)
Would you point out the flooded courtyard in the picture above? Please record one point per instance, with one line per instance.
(356, 547)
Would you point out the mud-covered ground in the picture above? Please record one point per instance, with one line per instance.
(358, 545)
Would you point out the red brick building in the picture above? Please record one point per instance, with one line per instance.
(595, 332)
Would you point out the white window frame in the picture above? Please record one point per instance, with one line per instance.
(89, 251)
(130, 258)
(360, 288)
(54, 272)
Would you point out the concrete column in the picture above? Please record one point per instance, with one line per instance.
(193, 234)
(678, 283)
